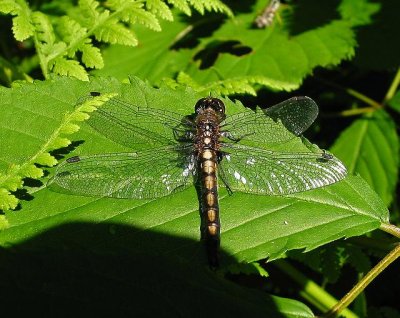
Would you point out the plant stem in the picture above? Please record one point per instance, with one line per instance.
(364, 98)
(312, 292)
(369, 101)
(393, 87)
(363, 283)
(391, 229)
(356, 111)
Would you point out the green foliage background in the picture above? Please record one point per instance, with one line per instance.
(168, 54)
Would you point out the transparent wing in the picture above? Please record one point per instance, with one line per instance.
(142, 175)
(295, 114)
(130, 125)
(254, 170)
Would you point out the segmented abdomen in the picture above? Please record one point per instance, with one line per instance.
(209, 204)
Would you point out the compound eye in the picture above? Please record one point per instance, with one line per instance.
(199, 105)
(221, 107)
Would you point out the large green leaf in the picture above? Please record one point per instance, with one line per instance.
(276, 57)
(373, 152)
(158, 239)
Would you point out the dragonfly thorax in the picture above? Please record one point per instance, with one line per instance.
(210, 112)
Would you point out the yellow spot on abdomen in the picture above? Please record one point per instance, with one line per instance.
(208, 166)
(210, 199)
(211, 215)
(212, 230)
(209, 182)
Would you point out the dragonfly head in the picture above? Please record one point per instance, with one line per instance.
(210, 103)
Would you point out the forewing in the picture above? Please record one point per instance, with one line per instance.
(276, 124)
(254, 170)
(143, 175)
(130, 125)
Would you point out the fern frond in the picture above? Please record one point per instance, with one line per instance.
(7, 200)
(160, 9)
(91, 56)
(22, 25)
(45, 38)
(210, 5)
(12, 180)
(9, 6)
(181, 5)
(70, 30)
(107, 22)
(135, 13)
(63, 66)
(115, 33)
(43, 29)
(88, 10)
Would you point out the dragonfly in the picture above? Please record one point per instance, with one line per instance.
(207, 148)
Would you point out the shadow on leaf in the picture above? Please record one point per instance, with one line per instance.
(120, 270)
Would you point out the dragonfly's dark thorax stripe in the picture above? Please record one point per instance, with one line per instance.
(207, 143)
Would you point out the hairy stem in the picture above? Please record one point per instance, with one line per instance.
(363, 98)
(356, 111)
(391, 229)
(363, 283)
(360, 96)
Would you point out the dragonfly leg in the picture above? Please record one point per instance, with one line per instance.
(231, 137)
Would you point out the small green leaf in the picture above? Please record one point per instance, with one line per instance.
(160, 9)
(89, 12)
(8, 6)
(46, 159)
(7, 201)
(181, 5)
(373, 152)
(210, 5)
(91, 56)
(63, 66)
(70, 29)
(115, 33)
(358, 12)
(31, 171)
(22, 28)
(69, 128)
(136, 14)
(61, 142)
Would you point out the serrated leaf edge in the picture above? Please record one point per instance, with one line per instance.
(43, 157)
